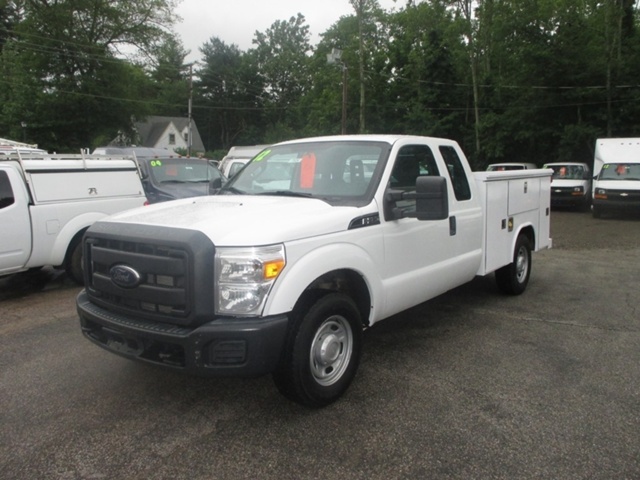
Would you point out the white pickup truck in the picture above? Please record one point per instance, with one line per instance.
(314, 241)
(48, 201)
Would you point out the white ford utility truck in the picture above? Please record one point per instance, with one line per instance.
(48, 201)
(311, 242)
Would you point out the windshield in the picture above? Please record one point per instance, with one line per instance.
(620, 171)
(340, 172)
(182, 170)
(567, 172)
(502, 168)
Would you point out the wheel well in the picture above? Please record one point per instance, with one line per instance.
(347, 282)
(72, 244)
(530, 234)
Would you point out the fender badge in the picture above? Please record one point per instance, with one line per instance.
(124, 276)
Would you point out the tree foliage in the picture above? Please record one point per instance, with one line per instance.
(509, 79)
(62, 76)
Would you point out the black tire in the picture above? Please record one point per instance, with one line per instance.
(322, 352)
(73, 263)
(513, 278)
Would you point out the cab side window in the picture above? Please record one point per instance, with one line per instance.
(412, 162)
(6, 192)
(456, 172)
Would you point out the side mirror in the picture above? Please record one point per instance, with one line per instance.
(432, 198)
(214, 185)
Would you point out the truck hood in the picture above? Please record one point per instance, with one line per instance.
(617, 184)
(243, 220)
(557, 183)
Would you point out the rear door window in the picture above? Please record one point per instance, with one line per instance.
(7, 197)
(456, 173)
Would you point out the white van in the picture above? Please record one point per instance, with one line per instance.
(238, 157)
(48, 201)
(570, 184)
(616, 186)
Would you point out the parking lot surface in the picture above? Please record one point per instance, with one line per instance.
(473, 384)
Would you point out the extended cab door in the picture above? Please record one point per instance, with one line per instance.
(426, 258)
(15, 240)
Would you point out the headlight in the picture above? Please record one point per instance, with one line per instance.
(600, 193)
(245, 276)
(577, 191)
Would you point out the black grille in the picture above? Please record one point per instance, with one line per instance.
(562, 192)
(169, 267)
(631, 196)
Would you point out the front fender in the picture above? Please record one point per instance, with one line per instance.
(302, 272)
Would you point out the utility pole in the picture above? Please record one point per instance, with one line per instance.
(344, 98)
(335, 58)
(189, 136)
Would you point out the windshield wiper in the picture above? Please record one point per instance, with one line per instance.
(286, 193)
(232, 190)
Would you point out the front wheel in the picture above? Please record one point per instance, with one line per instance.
(513, 278)
(322, 352)
(73, 264)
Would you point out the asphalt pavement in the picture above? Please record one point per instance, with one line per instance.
(471, 385)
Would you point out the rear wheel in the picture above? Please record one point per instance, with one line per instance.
(322, 352)
(513, 278)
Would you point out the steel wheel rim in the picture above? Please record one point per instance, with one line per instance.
(522, 264)
(331, 350)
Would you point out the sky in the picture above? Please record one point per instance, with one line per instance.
(236, 21)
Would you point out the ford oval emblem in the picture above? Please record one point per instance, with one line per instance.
(124, 276)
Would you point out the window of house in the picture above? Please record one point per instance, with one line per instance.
(172, 139)
(186, 137)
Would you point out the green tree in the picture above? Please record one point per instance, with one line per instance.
(229, 97)
(171, 78)
(62, 72)
(423, 87)
(366, 12)
(282, 57)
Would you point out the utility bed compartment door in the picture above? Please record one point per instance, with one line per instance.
(59, 186)
(498, 238)
(524, 195)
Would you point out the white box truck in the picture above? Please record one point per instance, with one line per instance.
(616, 185)
(312, 242)
(48, 201)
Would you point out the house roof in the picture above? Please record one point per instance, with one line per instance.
(151, 130)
